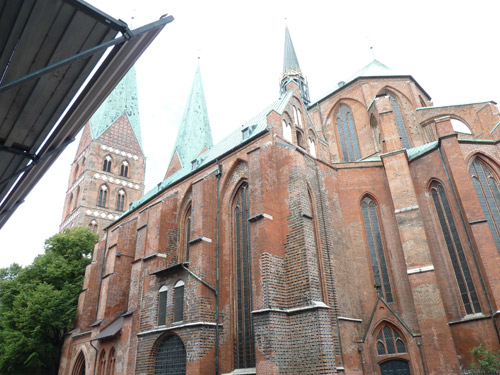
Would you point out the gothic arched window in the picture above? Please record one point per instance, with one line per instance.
(244, 356)
(102, 363)
(376, 248)
(389, 341)
(179, 301)
(106, 167)
(93, 225)
(79, 365)
(295, 121)
(111, 362)
(120, 200)
(170, 357)
(488, 192)
(162, 305)
(103, 195)
(312, 147)
(287, 131)
(187, 233)
(300, 139)
(400, 124)
(124, 169)
(377, 136)
(455, 250)
(347, 134)
(299, 117)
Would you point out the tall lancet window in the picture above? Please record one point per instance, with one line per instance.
(486, 186)
(106, 167)
(376, 249)
(103, 195)
(124, 169)
(187, 234)
(400, 124)
(287, 131)
(244, 356)
(455, 250)
(120, 200)
(347, 134)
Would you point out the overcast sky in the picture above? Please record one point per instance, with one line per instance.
(450, 47)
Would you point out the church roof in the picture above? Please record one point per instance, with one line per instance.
(123, 99)
(194, 133)
(243, 134)
(374, 69)
(290, 61)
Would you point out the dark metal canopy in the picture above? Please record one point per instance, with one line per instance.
(48, 49)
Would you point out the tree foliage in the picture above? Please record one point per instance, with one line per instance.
(486, 360)
(38, 303)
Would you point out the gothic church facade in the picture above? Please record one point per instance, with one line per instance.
(357, 234)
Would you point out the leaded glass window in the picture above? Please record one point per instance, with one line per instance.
(486, 186)
(124, 169)
(455, 249)
(347, 134)
(120, 200)
(162, 305)
(170, 357)
(106, 167)
(244, 355)
(103, 195)
(187, 234)
(179, 301)
(400, 124)
(389, 341)
(376, 248)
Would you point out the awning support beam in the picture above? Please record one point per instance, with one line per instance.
(35, 159)
(62, 63)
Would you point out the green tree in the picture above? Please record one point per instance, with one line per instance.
(38, 303)
(486, 360)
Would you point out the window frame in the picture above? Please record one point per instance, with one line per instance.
(377, 248)
(347, 133)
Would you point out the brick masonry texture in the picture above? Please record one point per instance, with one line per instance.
(315, 308)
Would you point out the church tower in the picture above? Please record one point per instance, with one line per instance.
(291, 70)
(108, 170)
(194, 135)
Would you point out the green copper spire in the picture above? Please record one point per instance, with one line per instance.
(290, 61)
(194, 134)
(291, 70)
(123, 99)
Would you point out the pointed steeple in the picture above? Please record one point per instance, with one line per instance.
(194, 135)
(290, 61)
(291, 70)
(122, 100)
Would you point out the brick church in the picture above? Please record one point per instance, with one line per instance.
(356, 234)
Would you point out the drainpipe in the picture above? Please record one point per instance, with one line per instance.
(476, 264)
(95, 359)
(218, 174)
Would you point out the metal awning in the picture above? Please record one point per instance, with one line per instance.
(111, 330)
(48, 48)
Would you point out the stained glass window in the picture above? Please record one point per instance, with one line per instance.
(376, 248)
(347, 134)
(389, 341)
(486, 186)
(455, 249)
(244, 355)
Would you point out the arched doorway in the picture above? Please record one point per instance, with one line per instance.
(395, 367)
(170, 357)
